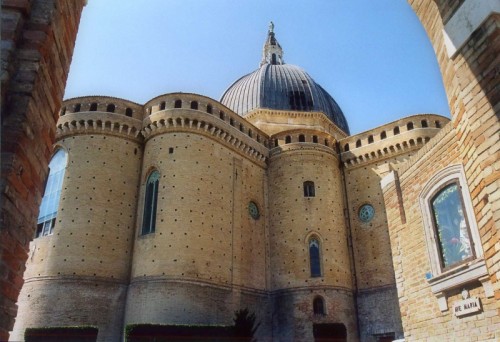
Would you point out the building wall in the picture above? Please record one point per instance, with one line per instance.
(294, 219)
(85, 263)
(207, 257)
(367, 158)
(471, 140)
(37, 45)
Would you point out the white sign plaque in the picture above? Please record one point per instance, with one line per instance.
(466, 306)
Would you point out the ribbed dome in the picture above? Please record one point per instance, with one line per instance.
(283, 87)
(276, 85)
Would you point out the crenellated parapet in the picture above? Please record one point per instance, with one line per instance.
(202, 104)
(102, 104)
(390, 140)
(100, 115)
(194, 113)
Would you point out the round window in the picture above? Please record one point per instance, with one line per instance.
(253, 210)
(366, 213)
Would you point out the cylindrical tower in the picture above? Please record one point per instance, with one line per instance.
(310, 261)
(79, 270)
(198, 256)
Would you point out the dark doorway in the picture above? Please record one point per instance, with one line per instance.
(83, 334)
(329, 332)
(389, 337)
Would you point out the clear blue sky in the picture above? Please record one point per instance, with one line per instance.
(372, 56)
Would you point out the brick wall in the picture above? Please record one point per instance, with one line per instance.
(37, 44)
(472, 140)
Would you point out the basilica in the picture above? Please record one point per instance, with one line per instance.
(183, 210)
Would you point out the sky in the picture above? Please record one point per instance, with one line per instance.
(373, 57)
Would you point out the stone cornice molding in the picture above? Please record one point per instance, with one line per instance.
(325, 124)
(301, 148)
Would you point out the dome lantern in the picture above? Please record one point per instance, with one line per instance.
(280, 86)
(272, 53)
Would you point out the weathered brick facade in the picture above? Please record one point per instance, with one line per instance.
(37, 44)
(93, 264)
(471, 139)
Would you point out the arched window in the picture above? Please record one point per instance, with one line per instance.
(409, 126)
(302, 138)
(178, 104)
(383, 135)
(309, 189)
(452, 235)
(50, 201)
(315, 139)
(358, 143)
(424, 123)
(273, 59)
(319, 305)
(110, 108)
(346, 147)
(314, 257)
(276, 144)
(288, 139)
(194, 104)
(438, 124)
(93, 107)
(163, 105)
(150, 203)
(128, 112)
(221, 115)
(326, 142)
(77, 108)
(209, 109)
(396, 130)
(370, 139)
(231, 121)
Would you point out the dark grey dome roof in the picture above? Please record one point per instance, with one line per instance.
(282, 87)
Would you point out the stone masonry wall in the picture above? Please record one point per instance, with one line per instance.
(37, 45)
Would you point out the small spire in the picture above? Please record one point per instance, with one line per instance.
(272, 52)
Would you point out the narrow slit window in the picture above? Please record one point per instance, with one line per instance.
(150, 203)
(314, 257)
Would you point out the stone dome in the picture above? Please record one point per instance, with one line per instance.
(276, 85)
